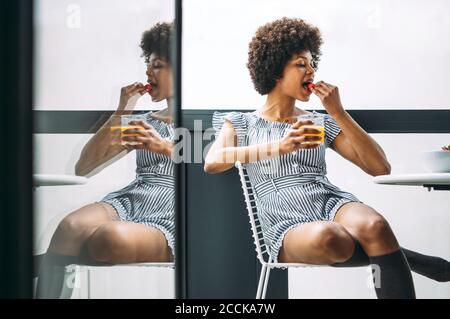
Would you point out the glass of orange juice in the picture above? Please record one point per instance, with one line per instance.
(120, 123)
(318, 124)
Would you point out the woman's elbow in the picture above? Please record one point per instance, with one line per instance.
(383, 170)
(388, 169)
(80, 171)
(211, 168)
(214, 167)
(211, 165)
(216, 162)
(208, 168)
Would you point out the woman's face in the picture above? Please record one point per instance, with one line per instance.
(296, 74)
(159, 74)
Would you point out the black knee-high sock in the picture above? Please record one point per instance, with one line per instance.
(359, 258)
(52, 272)
(429, 266)
(432, 267)
(392, 276)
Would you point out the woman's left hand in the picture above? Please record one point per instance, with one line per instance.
(329, 95)
(148, 139)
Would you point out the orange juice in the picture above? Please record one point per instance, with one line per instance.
(320, 128)
(127, 127)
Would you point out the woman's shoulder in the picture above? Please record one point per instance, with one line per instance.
(160, 118)
(230, 113)
(239, 120)
(230, 116)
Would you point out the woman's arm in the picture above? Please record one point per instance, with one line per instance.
(103, 146)
(224, 153)
(148, 139)
(99, 149)
(353, 143)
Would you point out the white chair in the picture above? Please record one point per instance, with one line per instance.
(262, 250)
(75, 272)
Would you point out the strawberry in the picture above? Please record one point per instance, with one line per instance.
(148, 88)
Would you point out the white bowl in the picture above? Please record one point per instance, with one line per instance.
(437, 161)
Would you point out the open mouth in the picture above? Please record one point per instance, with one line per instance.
(308, 85)
(150, 86)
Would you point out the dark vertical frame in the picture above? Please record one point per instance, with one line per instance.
(180, 169)
(16, 217)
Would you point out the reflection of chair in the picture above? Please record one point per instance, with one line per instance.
(262, 250)
(78, 276)
(77, 273)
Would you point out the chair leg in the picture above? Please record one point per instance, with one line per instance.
(262, 277)
(266, 281)
(88, 283)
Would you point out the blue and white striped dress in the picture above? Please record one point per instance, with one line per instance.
(291, 189)
(150, 198)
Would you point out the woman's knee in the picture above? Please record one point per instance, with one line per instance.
(70, 231)
(375, 228)
(69, 225)
(110, 243)
(334, 241)
(74, 229)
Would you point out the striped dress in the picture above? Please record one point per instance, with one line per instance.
(149, 199)
(291, 189)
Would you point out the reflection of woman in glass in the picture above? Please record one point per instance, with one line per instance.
(136, 223)
(305, 218)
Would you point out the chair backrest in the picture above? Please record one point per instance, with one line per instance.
(262, 250)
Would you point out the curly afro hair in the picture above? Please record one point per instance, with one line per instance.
(157, 40)
(273, 46)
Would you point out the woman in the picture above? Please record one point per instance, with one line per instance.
(134, 224)
(305, 218)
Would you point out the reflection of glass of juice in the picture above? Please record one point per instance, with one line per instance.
(127, 127)
(318, 124)
(119, 124)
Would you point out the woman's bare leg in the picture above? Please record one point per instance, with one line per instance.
(368, 227)
(127, 242)
(73, 231)
(392, 274)
(317, 243)
(66, 246)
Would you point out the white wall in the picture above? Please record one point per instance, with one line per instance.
(420, 219)
(57, 154)
(87, 50)
(380, 53)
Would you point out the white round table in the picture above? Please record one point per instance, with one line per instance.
(58, 180)
(437, 181)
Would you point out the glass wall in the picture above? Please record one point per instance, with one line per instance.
(103, 174)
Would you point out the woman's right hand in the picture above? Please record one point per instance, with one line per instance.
(129, 96)
(295, 137)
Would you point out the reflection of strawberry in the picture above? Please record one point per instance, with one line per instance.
(446, 148)
(148, 87)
